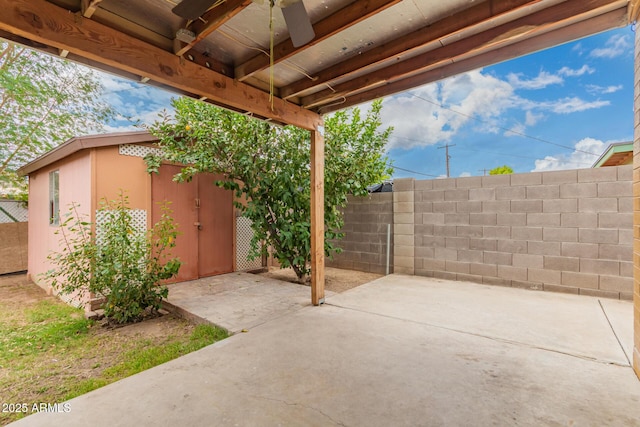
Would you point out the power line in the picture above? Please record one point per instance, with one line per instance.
(500, 127)
(417, 173)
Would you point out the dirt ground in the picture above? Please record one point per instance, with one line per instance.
(336, 279)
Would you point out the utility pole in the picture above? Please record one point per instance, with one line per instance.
(484, 171)
(448, 157)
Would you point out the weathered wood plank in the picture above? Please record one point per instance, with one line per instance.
(46, 23)
(317, 215)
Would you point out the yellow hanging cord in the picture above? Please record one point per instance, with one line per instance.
(271, 84)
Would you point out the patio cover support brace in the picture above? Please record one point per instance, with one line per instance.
(317, 215)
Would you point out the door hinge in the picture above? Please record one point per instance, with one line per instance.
(197, 203)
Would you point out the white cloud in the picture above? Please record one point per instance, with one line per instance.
(542, 80)
(617, 45)
(465, 174)
(531, 118)
(595, 89)
(569, 72)
(570, 105)
(516, 130)
(586, 153)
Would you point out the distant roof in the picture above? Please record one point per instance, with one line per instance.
(617, 154)
(385, 187)
(83, 142)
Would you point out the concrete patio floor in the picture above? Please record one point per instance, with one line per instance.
(401, 350)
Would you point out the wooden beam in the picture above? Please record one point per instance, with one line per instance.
(613, 19)
(89, 7)
(43, 22)
(512, 32)
(634, 10)
(317, 215)
(329, 26)
(211, 21)
(427, 37)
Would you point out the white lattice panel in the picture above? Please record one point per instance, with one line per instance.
(244, 234)
(139, 220)
(138, 150)
(12, 211)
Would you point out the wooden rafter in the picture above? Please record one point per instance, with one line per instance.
(210, 22)
(634, 10)
(509, 33)
(613, 19)
(46, 23)
(420, 39)
(89, 7)
(329, 26)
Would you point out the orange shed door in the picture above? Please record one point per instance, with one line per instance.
(204, 214)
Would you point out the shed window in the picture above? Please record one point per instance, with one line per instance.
(54, 197)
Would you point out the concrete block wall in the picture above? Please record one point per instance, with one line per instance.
(365, 243)
(564, 231)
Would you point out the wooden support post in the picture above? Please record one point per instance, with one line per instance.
(317, 215)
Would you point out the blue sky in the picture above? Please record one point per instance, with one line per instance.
(555, 109)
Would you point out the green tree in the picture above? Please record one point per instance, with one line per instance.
(44, 100)
(270, 166)
(501, 170)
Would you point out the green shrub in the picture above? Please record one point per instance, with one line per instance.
(120, 263)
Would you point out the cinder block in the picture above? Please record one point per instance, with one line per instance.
(615, 220)
(616, 283)
(480, 244)
(402, 229)
(603, 204)
(560, 177)
(402, 207)
(561, 263)
(498, 206)
(457, 242)
(544, 276)
(496, 232)
(433, 264)
(402, 261)
(461, 277)
(422, 229)
(559, 234)
(424, 252)
(469, 182)
(543, 219)
(469, 231)
(628, 296)
(496, 180)
(433, 218)
(512, 273)
(496, 281)
(404, 240)
(470, 256)
(457, 267)
(482, 218)
(625, 204)
(432, 196)
(582, 220)
(497, 258)
(482, 194)
(444, 207)
(579, 280)
(511, 193)
(625, 173)
(526, 206)
(445, 230)
(474, 206)
(597, 292)
(444, 275)
(446, 254)
(578, 191)
(511, 219)
(626, 269)
(441, 184)
(526, 233)
(512, 246)
(456, 194)
(597, 174)
(403, 184)
(600, 266)
(456, 219)
(561, 289)
(433, 241)
(403, 270)
(531, 286)
(543, 192)
(405, 218)
(403, 196)
(617, 252)
(483, 269)
(421, 185)
(615, 189)
(403, 251)
(560, 205)
(580, 250)
(528, 261)
(534, 178)
(598, 235)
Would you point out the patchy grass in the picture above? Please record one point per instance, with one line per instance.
(50, 353)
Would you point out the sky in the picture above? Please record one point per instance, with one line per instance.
(552, 110)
